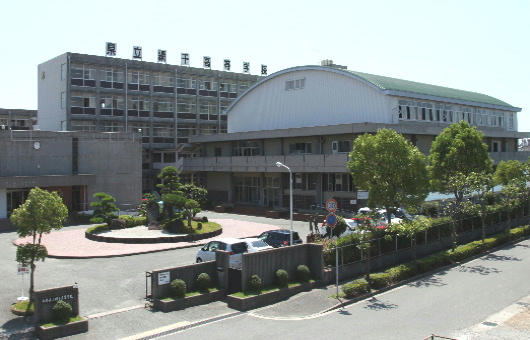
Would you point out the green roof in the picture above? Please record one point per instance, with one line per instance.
(387, 83)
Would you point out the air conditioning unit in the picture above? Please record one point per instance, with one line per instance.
(334, 146)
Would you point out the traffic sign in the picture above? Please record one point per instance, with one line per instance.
(331, 220)
(21, 270)
(331, 205)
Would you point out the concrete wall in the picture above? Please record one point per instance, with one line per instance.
(50, 85)
(328, 98)
(186, 273)
(272, 146)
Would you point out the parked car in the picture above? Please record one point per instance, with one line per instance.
(279, 238)
(235, 246)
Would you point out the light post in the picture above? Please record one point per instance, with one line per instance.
(280, 165)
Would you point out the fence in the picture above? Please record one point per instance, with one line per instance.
(383, 252)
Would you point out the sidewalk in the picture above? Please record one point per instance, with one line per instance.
(74, 244)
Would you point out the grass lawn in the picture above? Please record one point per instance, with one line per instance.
(207, 227)
(53, 324)
(23, 306)
(192, 293)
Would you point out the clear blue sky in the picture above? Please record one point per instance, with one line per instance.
(480, 46)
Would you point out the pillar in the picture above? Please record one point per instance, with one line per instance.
(3, 203)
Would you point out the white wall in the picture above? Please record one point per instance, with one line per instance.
(50, 113)
(3, 203)
(329, 98)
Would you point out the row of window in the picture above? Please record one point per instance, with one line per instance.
(435, 112)
(253, 148)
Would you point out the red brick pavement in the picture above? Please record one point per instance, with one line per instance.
(73, 244)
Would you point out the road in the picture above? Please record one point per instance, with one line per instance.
(446, 303)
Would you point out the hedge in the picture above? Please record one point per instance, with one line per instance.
(98, 229)
(406, 270)
(133, 221)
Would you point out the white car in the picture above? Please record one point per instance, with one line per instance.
(235, 246)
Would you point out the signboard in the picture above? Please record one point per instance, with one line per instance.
(184, 59)
(21, 270)
(246, 67)
(46, 299)
(163, 278)
(362, 195)
(137, 52)
(353, 202)
(331, 220)
(162, 54)
(263, 70)
(110, 49)
(226, 64)
(331, 205)
(207, 62)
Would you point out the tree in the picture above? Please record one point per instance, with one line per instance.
(193, 192)
(510, 171)
(42, 212)
(481, 184)
(191, 208)
(170, 191)
(513, 175)
(391, 169)
(455, 153)
(104, 208)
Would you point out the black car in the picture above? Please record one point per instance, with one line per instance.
(279, 238)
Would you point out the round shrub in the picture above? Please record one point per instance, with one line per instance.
(254, 284)
(62, 311)
(203, 281)
(199, 226)
(282, 277)
(205, 219)
(355, 288)
(302, 273)
(177, 288)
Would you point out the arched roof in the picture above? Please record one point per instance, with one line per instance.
(399, 87)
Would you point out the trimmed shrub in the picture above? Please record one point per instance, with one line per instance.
(175, 226)
(199, 226)
(379, 280)
(177, 288)
(282, 278)
(431, 209)
(117, 223)
(204, 219)
(401, 272)
(203, 282)
(98, 229)
(432, 262)
(254, 284)
(355, 288)
(61, 311)
(133, 221)
(302, 273)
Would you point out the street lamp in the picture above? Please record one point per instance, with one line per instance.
(280, 165)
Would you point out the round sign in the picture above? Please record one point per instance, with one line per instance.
(331, 220)
(331, 205)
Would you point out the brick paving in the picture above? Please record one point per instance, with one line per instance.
(73, 244)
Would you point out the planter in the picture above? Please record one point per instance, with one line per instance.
(272, 214)
(219, 209)
(269, 298)
(188, 301)
(164, 239)
(21, 312)
(62, 330)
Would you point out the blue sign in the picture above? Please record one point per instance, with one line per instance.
(331, 220)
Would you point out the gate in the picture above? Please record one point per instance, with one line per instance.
(234, 280)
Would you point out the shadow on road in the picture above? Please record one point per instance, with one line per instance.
(17, 324)
(493, 257)
(375, 304)
(344, 312)
(478, 270)
(427, 282)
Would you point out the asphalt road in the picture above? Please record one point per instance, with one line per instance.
(105, 284)
(445, 304)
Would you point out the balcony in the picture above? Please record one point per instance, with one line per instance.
(177, 164)
(298, 163)
(521, 156)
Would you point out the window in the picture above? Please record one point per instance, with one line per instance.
(169, 157)
(157, 157)
(110, 126)
(305, 181)
(345, 146)
(162, 106)
(82, 125)
(247, 189)
(246, 148)
(63, 100)
(297, 84)
(218, 152)
(300, 148)
(337, 182)
(223, 87)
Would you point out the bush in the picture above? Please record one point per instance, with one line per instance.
(432, 262)
(61, 311)
(254, 284)
(98, 229)
(175, 226)
(302, 273)
(401, 272)
(430, 209)
(177, 288)
(203, 282)
(204, 219)
(379, 280)
(117, 223)
(355, 288)
(339, 228)
(282, 278)
(133, 221)
(199, 226)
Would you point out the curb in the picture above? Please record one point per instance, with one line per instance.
(413, 278)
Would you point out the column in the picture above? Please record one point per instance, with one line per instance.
(3, 203)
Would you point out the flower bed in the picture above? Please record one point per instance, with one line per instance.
(191, 299)
(76, 325)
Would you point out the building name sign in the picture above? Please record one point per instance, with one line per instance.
(57, 298)
(112, 48)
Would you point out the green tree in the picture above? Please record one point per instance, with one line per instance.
(510, 171)
(193, 192)
(391, 169)
(170, 180)
(513, 176)
(455, 153)
(42, 212)
(191, 208)
(481, 184)
(104, 208)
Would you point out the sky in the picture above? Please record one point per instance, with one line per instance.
(480, 46)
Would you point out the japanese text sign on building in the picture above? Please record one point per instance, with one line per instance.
(263, 70)
(110, 49)
(137, 52)
(162, 56)
(226, 64)
(184, 59)
(246, 67)
(207, 62)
